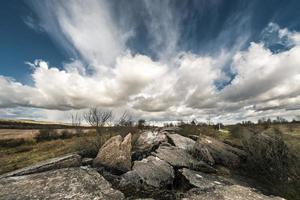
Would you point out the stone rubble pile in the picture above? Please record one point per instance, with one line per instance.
(161, 164)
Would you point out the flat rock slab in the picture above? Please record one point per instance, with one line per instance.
(201, 180)
(180, 158)
(171, 129)
(70, 160)
(68, 183)
(154, 171)
(223, 153)
(233, 192)
(181, 141)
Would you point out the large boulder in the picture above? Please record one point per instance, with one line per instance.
(181, 141)
(147, 142)
(69, 160)
(115, 154)
(201, 180)
(230, 192)
(180, 158)
(68, 183)
(223, 153)
(151, 171)
(202, 153)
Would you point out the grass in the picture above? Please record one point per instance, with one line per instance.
(275, 166)
(18, 153)
(12, 158)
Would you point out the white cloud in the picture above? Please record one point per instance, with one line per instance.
(176, 86)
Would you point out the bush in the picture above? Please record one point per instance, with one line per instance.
(89, 146)
(10, 143)
(272, 164)
(268, 156)
(46, 135)
(21, 149)
(65, 134)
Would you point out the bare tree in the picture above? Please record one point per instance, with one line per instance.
(141, 123)
(125, 119)
(76, 122)
(98, 118)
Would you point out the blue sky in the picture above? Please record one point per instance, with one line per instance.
(201, 51)
(20, 43)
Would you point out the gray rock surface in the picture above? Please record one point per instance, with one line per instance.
(69, 183)
(202, 153)
(70, 160)
(180, 158)
(201, 180)
(181, 141)
(233, 192)
(115, 153)
(171, 129)
(152, 171)
(223, 153)
(148, 139)
(87, 161)
(194, 137)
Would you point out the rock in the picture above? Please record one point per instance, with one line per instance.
(115, 154)
(223, 153)
(70, 160)
(87, 161)
(203, 153)
(68, 183)
(180, 158)
(131, 179)
(151, 171)
(233, 192)
(194, 137)
(147, 142)
(171, 129)
(181, 141)
(202, 180)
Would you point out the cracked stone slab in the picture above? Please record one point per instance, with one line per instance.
(69, 183)
(69, 160)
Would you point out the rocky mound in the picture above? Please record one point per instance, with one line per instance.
(160, 165)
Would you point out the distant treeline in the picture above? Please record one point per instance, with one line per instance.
(6, 124)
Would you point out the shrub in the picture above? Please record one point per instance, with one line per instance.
(21, 149)
(10, 143)
(65, 134)
(268, 156)
(46, 135)
(89, 146)
(272, 164)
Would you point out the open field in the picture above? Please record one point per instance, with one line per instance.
(28, 133)
(24, 149)
(17, 133)
(31, 124)
(30, 150)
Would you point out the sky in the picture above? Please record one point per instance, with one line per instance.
(160, 60)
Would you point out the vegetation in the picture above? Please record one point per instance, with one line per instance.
(273, 147)
(98, 118)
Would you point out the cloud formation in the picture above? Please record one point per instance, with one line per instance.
(173, 85)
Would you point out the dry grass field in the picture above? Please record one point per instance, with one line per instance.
(21, 148)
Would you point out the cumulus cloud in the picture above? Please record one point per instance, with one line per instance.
(177, 85)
